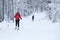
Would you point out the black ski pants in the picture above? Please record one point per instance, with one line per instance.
(17, 22)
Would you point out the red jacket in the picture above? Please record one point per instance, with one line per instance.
(17, 16)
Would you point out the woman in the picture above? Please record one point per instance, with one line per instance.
(17, 19)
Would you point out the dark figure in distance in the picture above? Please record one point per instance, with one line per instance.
(33, 18)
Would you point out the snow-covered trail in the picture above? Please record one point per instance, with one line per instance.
(37, 30)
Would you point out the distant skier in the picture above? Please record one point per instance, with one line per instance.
(17, 19)
(33, 18)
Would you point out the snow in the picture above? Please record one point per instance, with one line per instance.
(36, 30)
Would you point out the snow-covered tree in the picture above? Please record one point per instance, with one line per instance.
(1, 10)
(53, 11)
(8, 10)
(27, 7)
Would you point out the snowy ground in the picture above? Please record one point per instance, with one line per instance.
(40, 29)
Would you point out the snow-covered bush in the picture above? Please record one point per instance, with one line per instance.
(53, 12)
